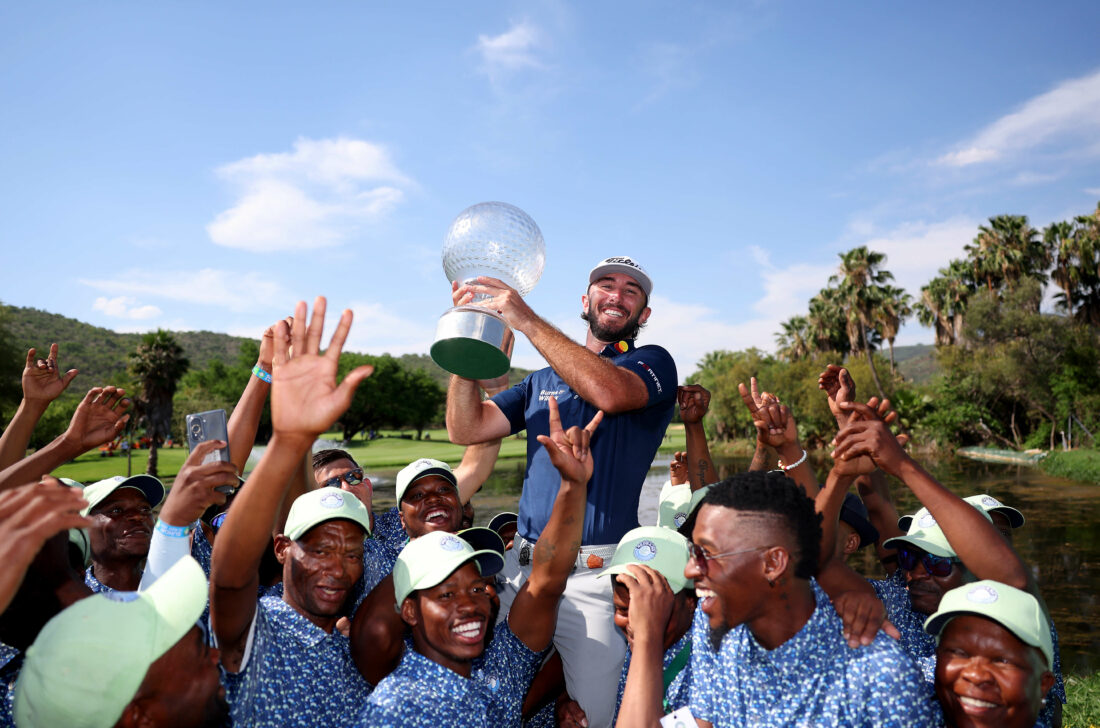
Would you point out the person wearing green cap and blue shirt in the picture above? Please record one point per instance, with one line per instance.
(654, 607)
(286, 664)
(117, 659)
(453, 675)
(994, 656)
(121, 510)
(950, 542)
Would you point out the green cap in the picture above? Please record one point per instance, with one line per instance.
(78, 536)
(89, 661)
(674, 505)
(926, 534)
(422, 468)
(661, 549)
(428, 560)
(324, 504)
(987, 503)
(1015, 610)
(150, 487)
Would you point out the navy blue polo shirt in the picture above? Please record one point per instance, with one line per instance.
(622, 448)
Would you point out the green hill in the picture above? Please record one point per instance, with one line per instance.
(917, 363)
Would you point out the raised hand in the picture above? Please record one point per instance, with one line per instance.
(862, 615)
(42, 378)
(694, 401)
(868, 434)
(193, 490)
(267, 343)
(99, 418)
(651, 601)
(305, 397)
(838, 384)
(774, 424)
(678, 469)
(504, 299)
(568, 450)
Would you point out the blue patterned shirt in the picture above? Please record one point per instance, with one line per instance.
(11, 661)
(920, 645)
(678, 693)
(813, 679)
(296, 675)
(388, 530)
(94, 584)
(421, 692)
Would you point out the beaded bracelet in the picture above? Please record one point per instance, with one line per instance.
(792, 466)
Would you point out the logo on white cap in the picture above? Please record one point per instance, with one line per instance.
(332, 500)
(982, 595)
(450, 543)
(679, 519)
(926, 521)
(117, 479)
(990, 502)
(645, 550)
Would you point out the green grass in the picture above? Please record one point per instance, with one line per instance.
(1083, 465)
(1083, 707)
(389, 451)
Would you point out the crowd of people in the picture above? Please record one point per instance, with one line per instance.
(285, 598)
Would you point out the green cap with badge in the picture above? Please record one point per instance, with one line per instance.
(324, 504)
(1015, 610)
(88, 662)
(674, 505)
(661, 549)
(97, 492)
(925, 533)
(422, 468)
(428, 560)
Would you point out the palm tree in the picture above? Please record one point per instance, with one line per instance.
(158, 363)
(793, 341)
(861, 282)
(824, 322)
(1005, 250)
(894, 309)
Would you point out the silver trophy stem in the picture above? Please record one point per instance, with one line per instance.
(473, 342)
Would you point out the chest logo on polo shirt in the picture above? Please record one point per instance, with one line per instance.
(450, 543)
(622, 347)
(332, 500)
(546, 394)
(645, 550)
(982, 595)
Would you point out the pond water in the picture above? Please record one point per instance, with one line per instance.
(1061, 539)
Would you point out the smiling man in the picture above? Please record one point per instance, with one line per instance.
(121, 510)
(636, 388)
(767, 645)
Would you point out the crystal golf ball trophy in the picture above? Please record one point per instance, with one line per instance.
(488, 239)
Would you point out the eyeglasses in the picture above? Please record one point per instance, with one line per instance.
(701, 557)
(352, 477)
(934, 565)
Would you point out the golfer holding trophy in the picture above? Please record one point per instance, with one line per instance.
(634, 386)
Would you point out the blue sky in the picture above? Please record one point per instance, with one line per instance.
(205, 165)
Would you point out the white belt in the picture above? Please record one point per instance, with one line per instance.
(589, 557)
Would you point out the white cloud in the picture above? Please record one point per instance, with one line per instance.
(915, 251)
(511, 51)
(377, 329)
(312, 197)
(1093, 191)
(202, 288)
(124, 307)
(1070, 112)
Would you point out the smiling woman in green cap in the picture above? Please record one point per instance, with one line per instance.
(993, 657)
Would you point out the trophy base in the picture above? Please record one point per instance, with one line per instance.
(473, 342)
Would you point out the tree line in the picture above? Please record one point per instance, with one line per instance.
(1011, 374)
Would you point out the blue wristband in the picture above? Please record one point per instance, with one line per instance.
(261, 374)
(173, 531)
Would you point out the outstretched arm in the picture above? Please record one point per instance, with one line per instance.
(974, 538)
(694, 401)
(42, 383)
(99, 418)
(305, 401)
(534, 611)
(245, 420)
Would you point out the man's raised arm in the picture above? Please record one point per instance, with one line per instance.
(305, 401)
